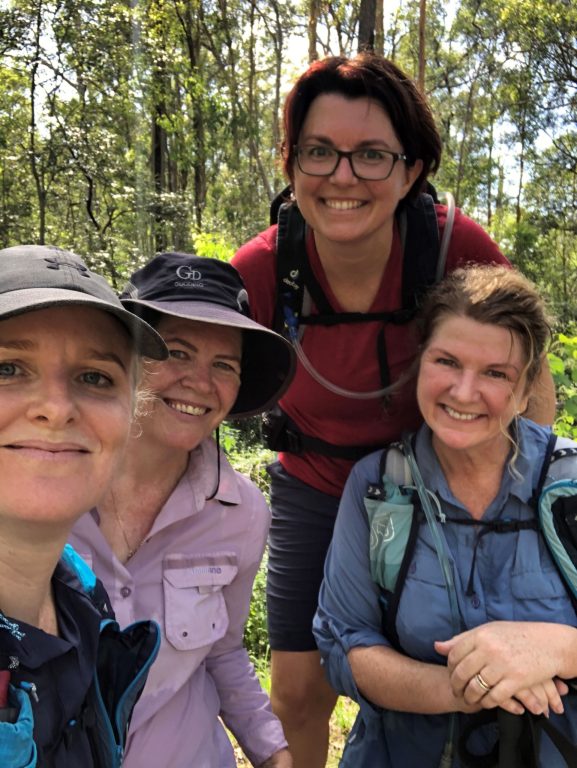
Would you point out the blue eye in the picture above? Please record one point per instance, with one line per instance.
(96, 379)
(7, 369)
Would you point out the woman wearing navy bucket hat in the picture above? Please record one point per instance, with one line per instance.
(180, 534)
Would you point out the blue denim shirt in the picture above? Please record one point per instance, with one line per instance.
(513, 578)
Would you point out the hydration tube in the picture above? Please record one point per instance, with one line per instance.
(294, 335)
(425, 497)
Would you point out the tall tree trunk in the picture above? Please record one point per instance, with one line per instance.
(314, 11)
(422, 43)
(367, 19)
(379, 28)
(463, 145)
(191, 23)
(35, 164)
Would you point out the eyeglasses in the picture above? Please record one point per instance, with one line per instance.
(369, 164)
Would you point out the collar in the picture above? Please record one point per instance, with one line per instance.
(532, 440)
(78, 621)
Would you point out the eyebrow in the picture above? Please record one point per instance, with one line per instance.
(106, 357)
(366, 143)
(193, 348)
(444, 353)
(24, 345)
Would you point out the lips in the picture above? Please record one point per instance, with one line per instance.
(46, 451)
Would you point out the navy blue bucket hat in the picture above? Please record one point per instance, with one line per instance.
(36, 277)
(212, 291)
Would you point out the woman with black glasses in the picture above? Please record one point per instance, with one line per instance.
(355, 246)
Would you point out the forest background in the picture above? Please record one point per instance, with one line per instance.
(133, 126)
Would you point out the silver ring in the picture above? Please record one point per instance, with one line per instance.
(482, 683)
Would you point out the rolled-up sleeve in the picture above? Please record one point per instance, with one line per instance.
(245, 706)
(349, 613)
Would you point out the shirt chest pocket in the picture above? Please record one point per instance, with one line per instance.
(541, 596)
(195, 611)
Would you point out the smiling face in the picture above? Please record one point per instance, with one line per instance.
(66, 402)
(471, 384)
(342, 208)
(197, 386)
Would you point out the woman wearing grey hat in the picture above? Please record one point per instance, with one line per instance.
(68, 373)
(180, 534)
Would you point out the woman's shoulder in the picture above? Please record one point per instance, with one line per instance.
(261, 246)
(540, 444)
(237, 489)
(469, 242)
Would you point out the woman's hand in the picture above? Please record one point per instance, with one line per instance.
(541, 698)
(508, 664)
(280, 759)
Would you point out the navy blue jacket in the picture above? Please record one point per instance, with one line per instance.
(74, 694)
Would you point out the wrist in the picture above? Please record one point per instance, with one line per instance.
(567, 644)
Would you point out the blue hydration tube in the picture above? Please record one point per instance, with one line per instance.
(426, 498)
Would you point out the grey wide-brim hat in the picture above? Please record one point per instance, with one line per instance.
(41, 276)
(212, 291)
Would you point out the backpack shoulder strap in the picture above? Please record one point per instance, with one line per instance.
(556, 497)
(295, 278)
(393, 532)
(90, 584)
(446, 240)
(420, 242)
(80, 569)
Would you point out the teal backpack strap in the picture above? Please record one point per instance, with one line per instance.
(393, 530)
(79, 568)
(557, 509)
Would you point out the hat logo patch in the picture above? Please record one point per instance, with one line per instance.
(55, 262)
(189, 277)
(186, 272)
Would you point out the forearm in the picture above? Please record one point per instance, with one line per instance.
(566, 645)
(280, 759)
(391, 680)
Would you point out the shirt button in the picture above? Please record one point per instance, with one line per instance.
(475, 602)
(125, 591)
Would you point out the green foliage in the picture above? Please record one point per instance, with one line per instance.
(563, 364)
(251, 460)
(255, 631)
(213, 246)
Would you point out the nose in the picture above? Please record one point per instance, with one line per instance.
(464, 388)
(54, 404)
(344, 171)
(199, 376)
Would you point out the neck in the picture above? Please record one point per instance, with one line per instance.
(371, 254)
(474, 477)
(27, 563)
(354, 272)
(141, 486)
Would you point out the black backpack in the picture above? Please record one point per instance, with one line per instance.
(424, 262)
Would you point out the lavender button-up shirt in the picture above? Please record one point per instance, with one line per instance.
(193, 574)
